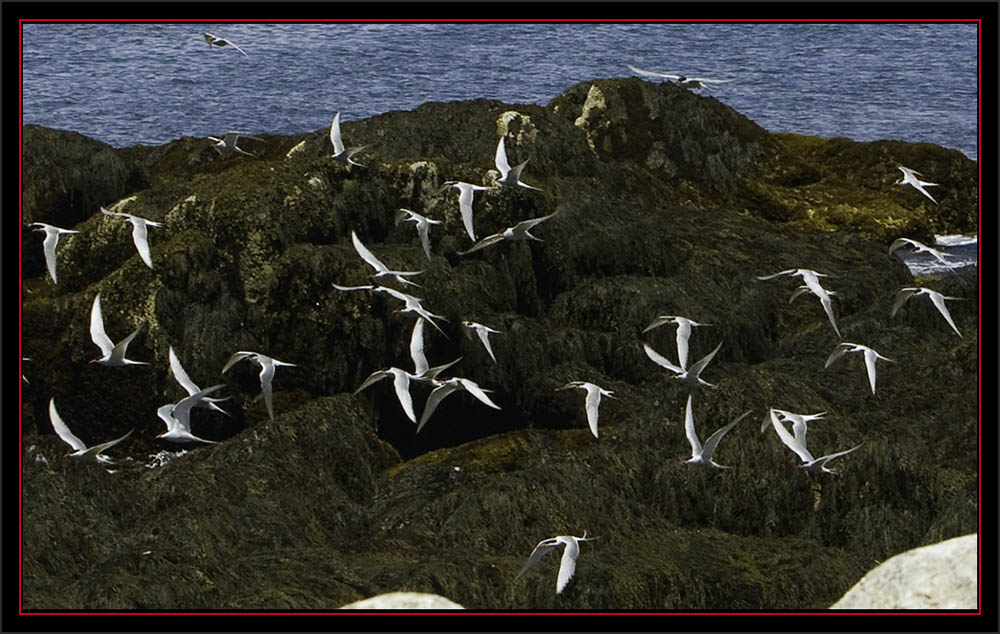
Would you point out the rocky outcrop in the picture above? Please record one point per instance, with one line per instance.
(941, 576)
(666, 203)
(404, 601)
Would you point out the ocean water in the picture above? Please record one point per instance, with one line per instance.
(151, 83)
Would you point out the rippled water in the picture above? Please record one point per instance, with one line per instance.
(151, 83)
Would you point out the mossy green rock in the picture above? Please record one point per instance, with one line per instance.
(667, 203)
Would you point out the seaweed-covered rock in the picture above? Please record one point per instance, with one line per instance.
(665, 202)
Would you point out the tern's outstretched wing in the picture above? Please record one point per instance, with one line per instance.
(97, 333)
(789, 440)
(938, 300)
(838, 352)
(367, 255)
(713, 440)
(62, 430)
(692, 437)
(661, 360)
(543, 548)
(338, 144)
(501, 160)
(482, 244)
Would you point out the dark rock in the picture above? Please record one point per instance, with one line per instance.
(668, 203)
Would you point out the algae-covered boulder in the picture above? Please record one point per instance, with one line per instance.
(663, 202)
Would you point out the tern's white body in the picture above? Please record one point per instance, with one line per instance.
(381, 270)
(423, 227)
(809, 463)
(466, 192)
(177, 417)
(692, 375)
(114, 355)
(910, 178)
(683, 333)
(811, 279)
(445, 388)
(227, 144)
(701, 455)
(484, 335)
(906, 293)
(52, 234)
(918, 247)
(189, 386)
(214, 40)
(594, 394)
(870, 357)
(267, 365)
(139, 233)
(509, 176)
(340, 153)
(80, 450)
(567, 566)
(520, 231)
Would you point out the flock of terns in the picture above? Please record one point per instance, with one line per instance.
(176, 416)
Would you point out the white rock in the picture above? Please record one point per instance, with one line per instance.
(937, 577)
(404, 601)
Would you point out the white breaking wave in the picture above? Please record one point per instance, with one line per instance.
(955, 240)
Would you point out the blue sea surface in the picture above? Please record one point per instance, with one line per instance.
(151, 83)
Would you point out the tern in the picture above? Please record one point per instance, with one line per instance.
(445, 388)
(594, 394)
(568, 564)
(114, 355)
(52, 234)
(341, 154)
(870, 357)
(214, 40)
(683, 333)
(799, 422)
(811, 279)
(177, 416)
(423, 227)
(702, 455)
(381, 270)
(484, 335)
(910, 178)
(520, 231)
(421, 369)
(803, 289)
(690, 82)
(692, 375)
(401, 381)
(189, 386)
(227, 144)
(413, 304)
(267, 365)
(466, 191)
(138, 233)
(509, 176)
(808, 462)
(906, 293)
(80, 450)
(918, 248)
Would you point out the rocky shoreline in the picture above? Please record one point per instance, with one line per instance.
(666, 202)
